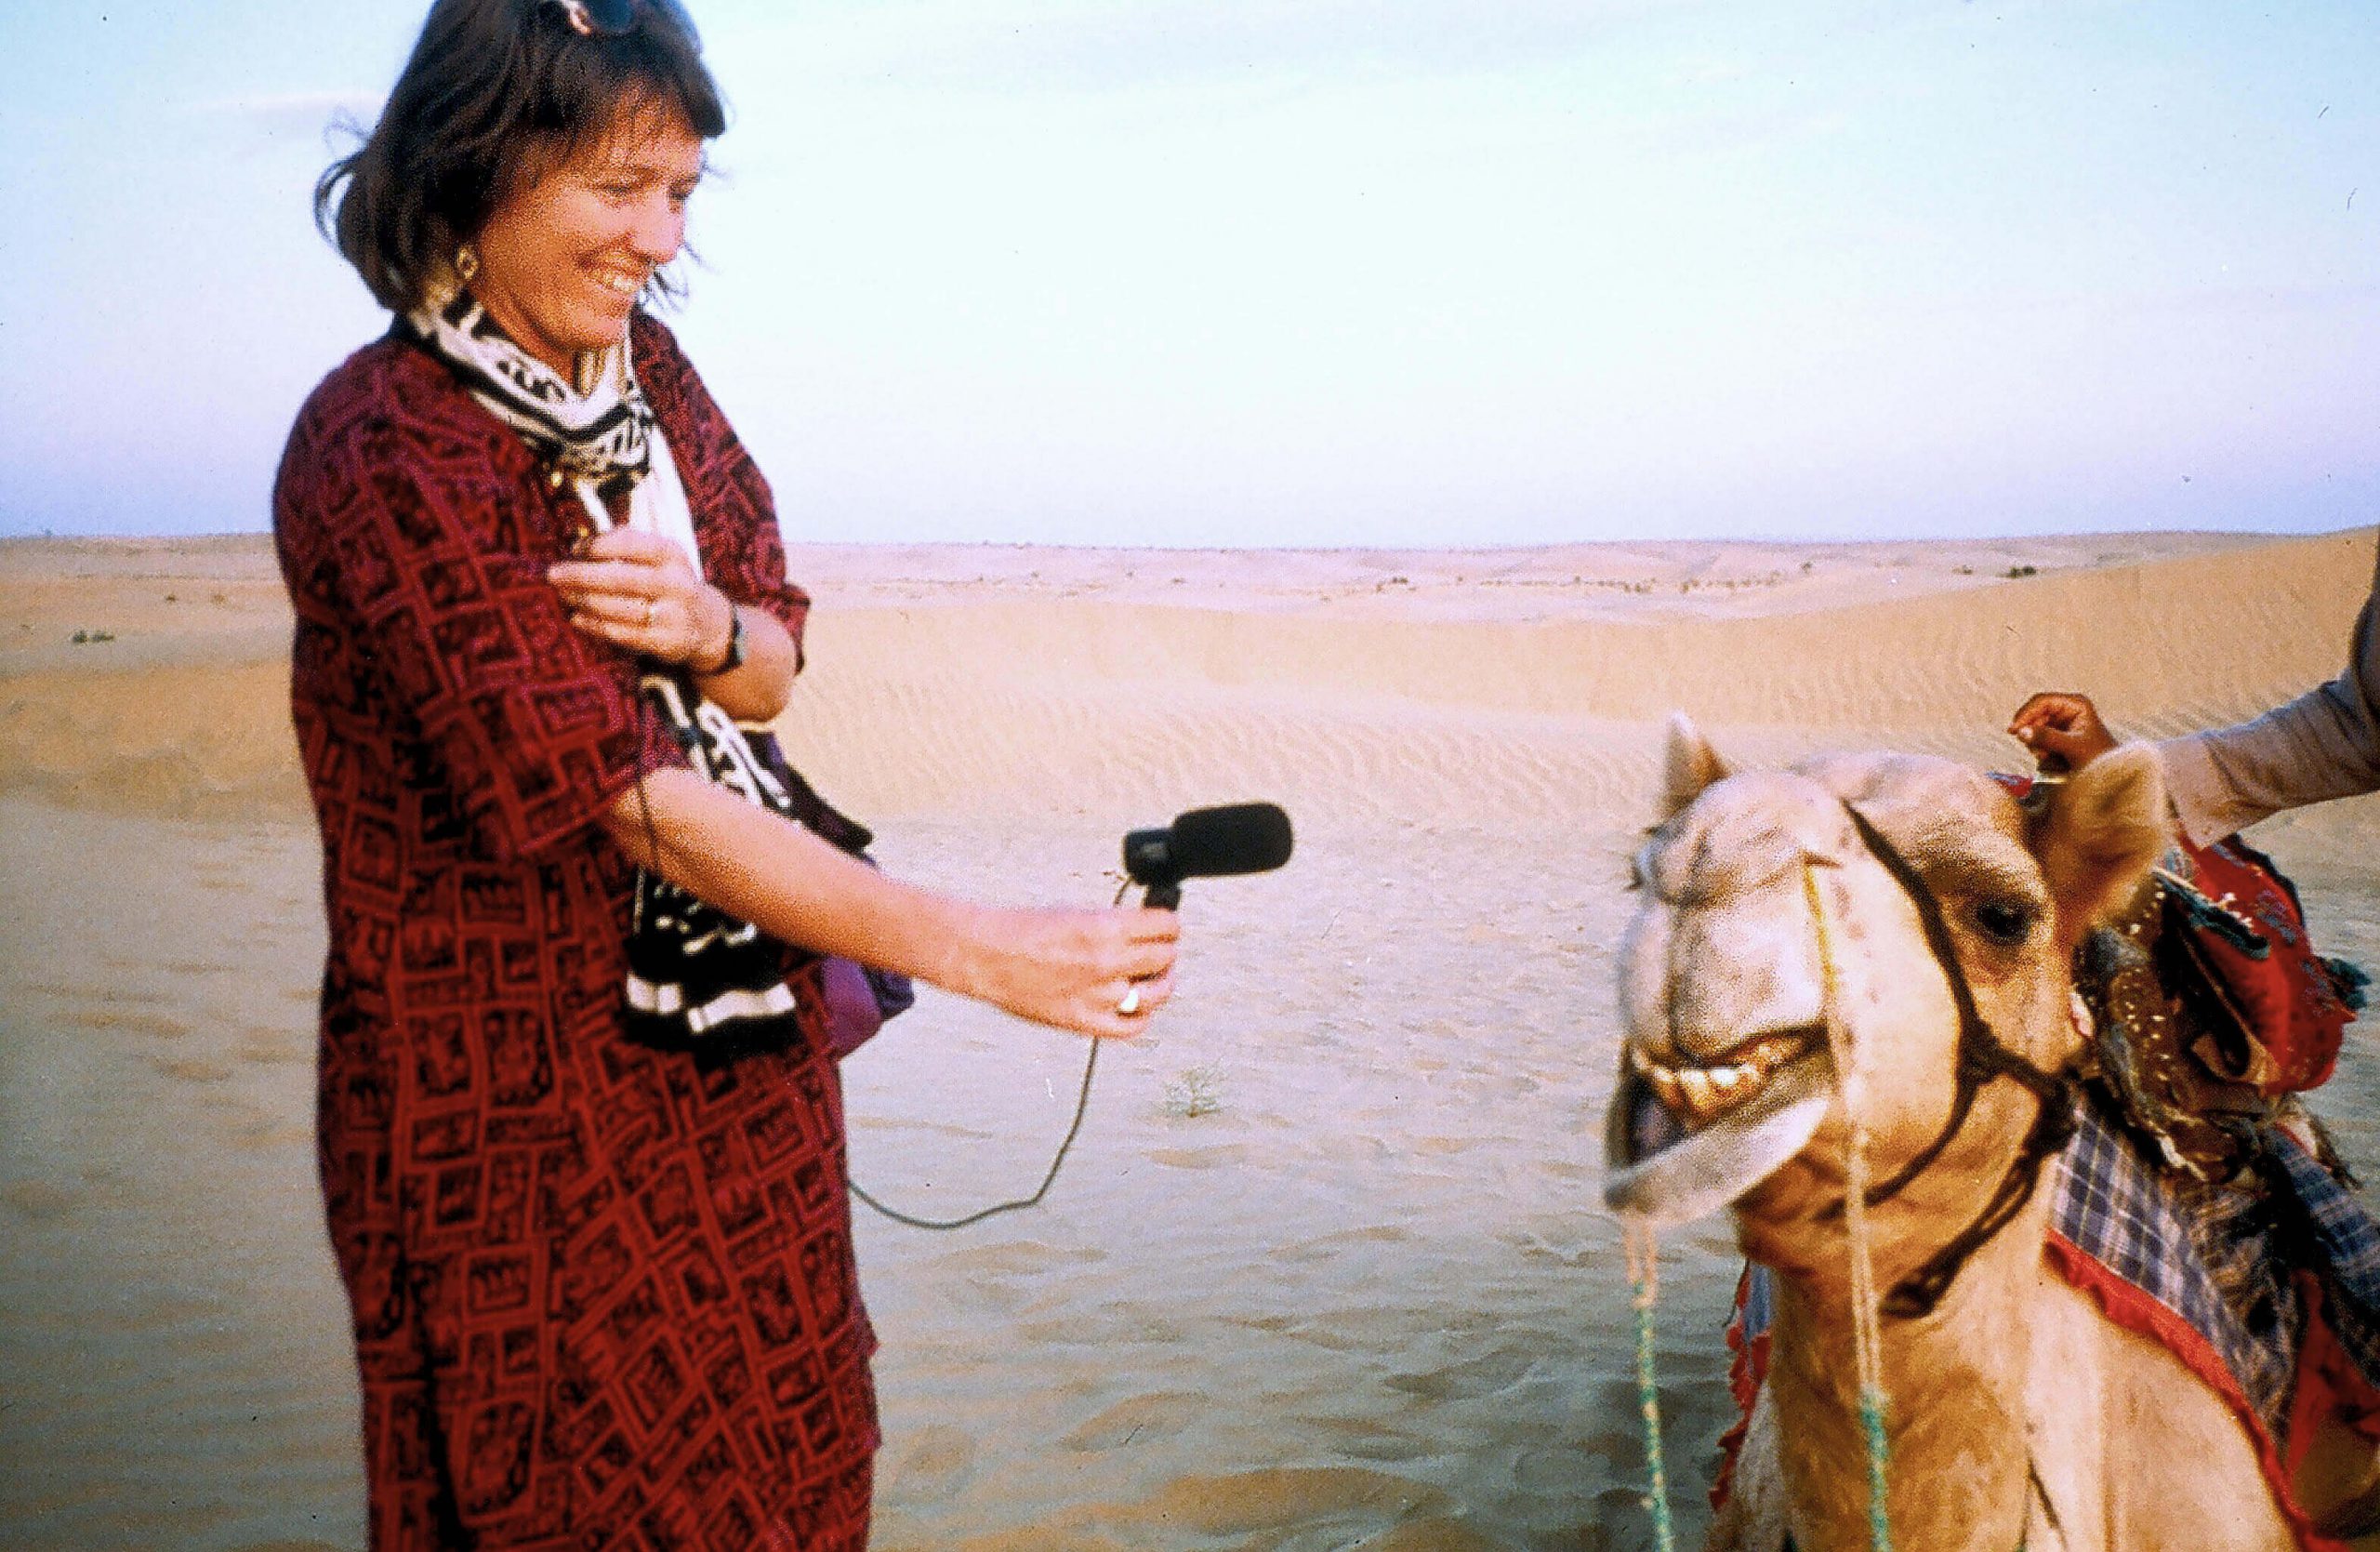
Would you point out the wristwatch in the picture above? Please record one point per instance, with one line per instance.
(736, 643)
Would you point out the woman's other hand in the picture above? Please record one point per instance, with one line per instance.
(1094, 972)
(2062, 729)
(641, 592)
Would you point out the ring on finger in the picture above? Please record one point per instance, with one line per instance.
(1132, 1002)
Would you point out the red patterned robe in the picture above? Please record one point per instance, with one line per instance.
(602, 1298)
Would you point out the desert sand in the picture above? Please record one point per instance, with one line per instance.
(1329, 1266)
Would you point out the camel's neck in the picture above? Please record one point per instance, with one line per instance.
(1955, 1420)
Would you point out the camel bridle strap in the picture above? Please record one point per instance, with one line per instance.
(1982, 1057)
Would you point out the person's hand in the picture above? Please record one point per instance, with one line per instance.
(2062, 729)
(1094, 972)
(638, 591)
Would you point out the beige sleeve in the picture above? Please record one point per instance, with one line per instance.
(2323, 745)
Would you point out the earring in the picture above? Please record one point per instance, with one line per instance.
(467, 263)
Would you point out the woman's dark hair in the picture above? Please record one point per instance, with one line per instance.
(497, 93)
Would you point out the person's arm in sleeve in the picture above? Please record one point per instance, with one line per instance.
(533, 727)
(2323, 745)
(752, 568)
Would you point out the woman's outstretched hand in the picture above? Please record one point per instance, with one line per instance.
(639, 592)
(1098, 972)
(2062, 729)
(1094, 972)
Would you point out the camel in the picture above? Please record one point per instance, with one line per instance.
(2019, 1416)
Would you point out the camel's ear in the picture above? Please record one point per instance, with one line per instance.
(1687, 765)
(2101, 832)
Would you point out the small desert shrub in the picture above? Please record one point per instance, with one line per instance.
(1197, 1092)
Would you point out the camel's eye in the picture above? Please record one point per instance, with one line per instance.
(2005, 921)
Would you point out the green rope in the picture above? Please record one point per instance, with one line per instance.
(1871, 1420)
(1648, 1402)
(1867, 1341)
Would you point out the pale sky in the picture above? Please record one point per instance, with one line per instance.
(1317, 271)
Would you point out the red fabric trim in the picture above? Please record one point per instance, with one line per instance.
(2128, 1307)
(2291, 1004)
(2331, 1389)
(1747, 1370)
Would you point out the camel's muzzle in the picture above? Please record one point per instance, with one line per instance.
(1684, 1139)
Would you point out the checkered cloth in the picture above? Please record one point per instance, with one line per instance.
(2205, 1253)
(2344, 1241)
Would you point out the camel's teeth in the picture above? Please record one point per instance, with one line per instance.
(1701, 1094)
(1764, 1056)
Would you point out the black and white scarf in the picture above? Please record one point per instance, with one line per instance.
(599, 428)
(698, 979)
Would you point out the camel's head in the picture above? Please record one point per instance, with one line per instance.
(1760, 892)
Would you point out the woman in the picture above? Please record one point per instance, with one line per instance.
(2323, 745)
(602, 1286)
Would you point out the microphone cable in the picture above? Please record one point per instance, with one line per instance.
(1082, 1107)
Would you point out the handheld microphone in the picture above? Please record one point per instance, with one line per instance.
(1206, 842)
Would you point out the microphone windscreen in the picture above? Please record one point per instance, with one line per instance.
(1242, 838)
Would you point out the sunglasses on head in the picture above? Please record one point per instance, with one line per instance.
(598, 18)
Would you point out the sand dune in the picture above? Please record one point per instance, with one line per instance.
(1097, 691)
(1360, 1293)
